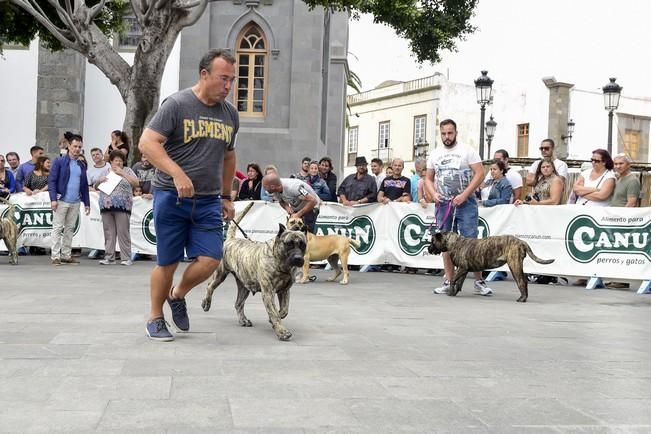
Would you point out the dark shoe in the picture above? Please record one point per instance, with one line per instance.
(180, 318)
(70, 260)
(157, 330)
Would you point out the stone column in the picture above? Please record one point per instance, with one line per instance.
(559, 111)
(60, 96)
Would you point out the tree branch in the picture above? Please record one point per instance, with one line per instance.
(94, 12)
(39, 15)
(194, 15)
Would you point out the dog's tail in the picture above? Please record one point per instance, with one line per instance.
(536, 258)
(238, 218)
(355, 243)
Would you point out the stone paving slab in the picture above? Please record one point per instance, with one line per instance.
(381, 355)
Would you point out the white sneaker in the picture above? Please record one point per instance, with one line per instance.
(127, 262)
(482, 289)
(443, 289)
(107, 262)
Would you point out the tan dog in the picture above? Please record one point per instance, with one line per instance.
(320, 247)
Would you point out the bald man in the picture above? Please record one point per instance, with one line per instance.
(295, 196)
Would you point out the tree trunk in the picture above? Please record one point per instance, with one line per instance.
(142, 95)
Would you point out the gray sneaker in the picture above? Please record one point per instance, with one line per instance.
(157, 330)
(482, 289)
(107, 262)
(443, 289)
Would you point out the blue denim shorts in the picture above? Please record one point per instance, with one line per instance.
(466, 218)
(193, 224)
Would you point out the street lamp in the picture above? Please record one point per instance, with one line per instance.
(612, 91)
(490, 133)
(421, 147)
(570, 131)
(484, 88)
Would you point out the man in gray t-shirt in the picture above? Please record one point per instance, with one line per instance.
(191, 142)
(295, 196)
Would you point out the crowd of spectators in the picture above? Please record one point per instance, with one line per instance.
(608, 182)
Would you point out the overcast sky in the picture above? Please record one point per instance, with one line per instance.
(578, 41)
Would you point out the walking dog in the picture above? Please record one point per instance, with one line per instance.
(469, 254)
(260, 267)
(9, 232)
(320, 247)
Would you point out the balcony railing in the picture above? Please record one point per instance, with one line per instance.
(421, 83)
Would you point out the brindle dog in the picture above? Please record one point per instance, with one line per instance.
(260, 267)
(469, 254)
(9, 232)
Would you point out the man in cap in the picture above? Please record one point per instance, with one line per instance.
(359, 187)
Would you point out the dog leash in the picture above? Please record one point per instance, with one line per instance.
(241, 230)
(445, 217)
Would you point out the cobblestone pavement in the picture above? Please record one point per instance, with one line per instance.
(382, 354)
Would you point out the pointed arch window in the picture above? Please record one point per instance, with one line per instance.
(252, 71)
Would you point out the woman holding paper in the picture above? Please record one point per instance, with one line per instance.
(115, 202)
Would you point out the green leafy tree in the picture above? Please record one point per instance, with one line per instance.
(87, 27)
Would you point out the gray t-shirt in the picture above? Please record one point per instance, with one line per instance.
(197, 138)
(294, 192)
(626, 187)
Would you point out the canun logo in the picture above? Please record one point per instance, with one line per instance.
(29, 219)
(414, 236)
(360, 228)
(484, 229)
(585, 239)
(148, 231)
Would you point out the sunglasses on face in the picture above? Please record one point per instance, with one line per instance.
(545, 148)
(596, 161)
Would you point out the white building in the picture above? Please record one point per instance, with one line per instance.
(393, 118)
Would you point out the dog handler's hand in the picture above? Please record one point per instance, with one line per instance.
(228, 210)
(183, 184)
(459, 199)
(53, 205)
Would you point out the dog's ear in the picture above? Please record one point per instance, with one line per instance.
(438, 236)
(281, 229)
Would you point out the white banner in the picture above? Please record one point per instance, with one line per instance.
(584, 241)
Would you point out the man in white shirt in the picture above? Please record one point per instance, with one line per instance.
(454, 172)
(377, 167)
(547, 150)
(513, 176)
(99, 168)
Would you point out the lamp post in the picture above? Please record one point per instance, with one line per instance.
(570, 130)
(484, 88)
(421, 147)
(490, 133)
(612, 92)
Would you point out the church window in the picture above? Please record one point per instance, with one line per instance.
(251, 83)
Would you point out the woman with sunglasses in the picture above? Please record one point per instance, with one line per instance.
(595, 186)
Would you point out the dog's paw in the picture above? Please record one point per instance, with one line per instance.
(522, 300)
(284, 335)
(343, 282)
(245, 322)
(205, 305)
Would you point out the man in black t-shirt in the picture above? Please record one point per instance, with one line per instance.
(395, 188)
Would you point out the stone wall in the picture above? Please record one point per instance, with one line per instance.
(60, 96)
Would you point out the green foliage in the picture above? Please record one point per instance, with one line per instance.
(430, 26)
(19, 27)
